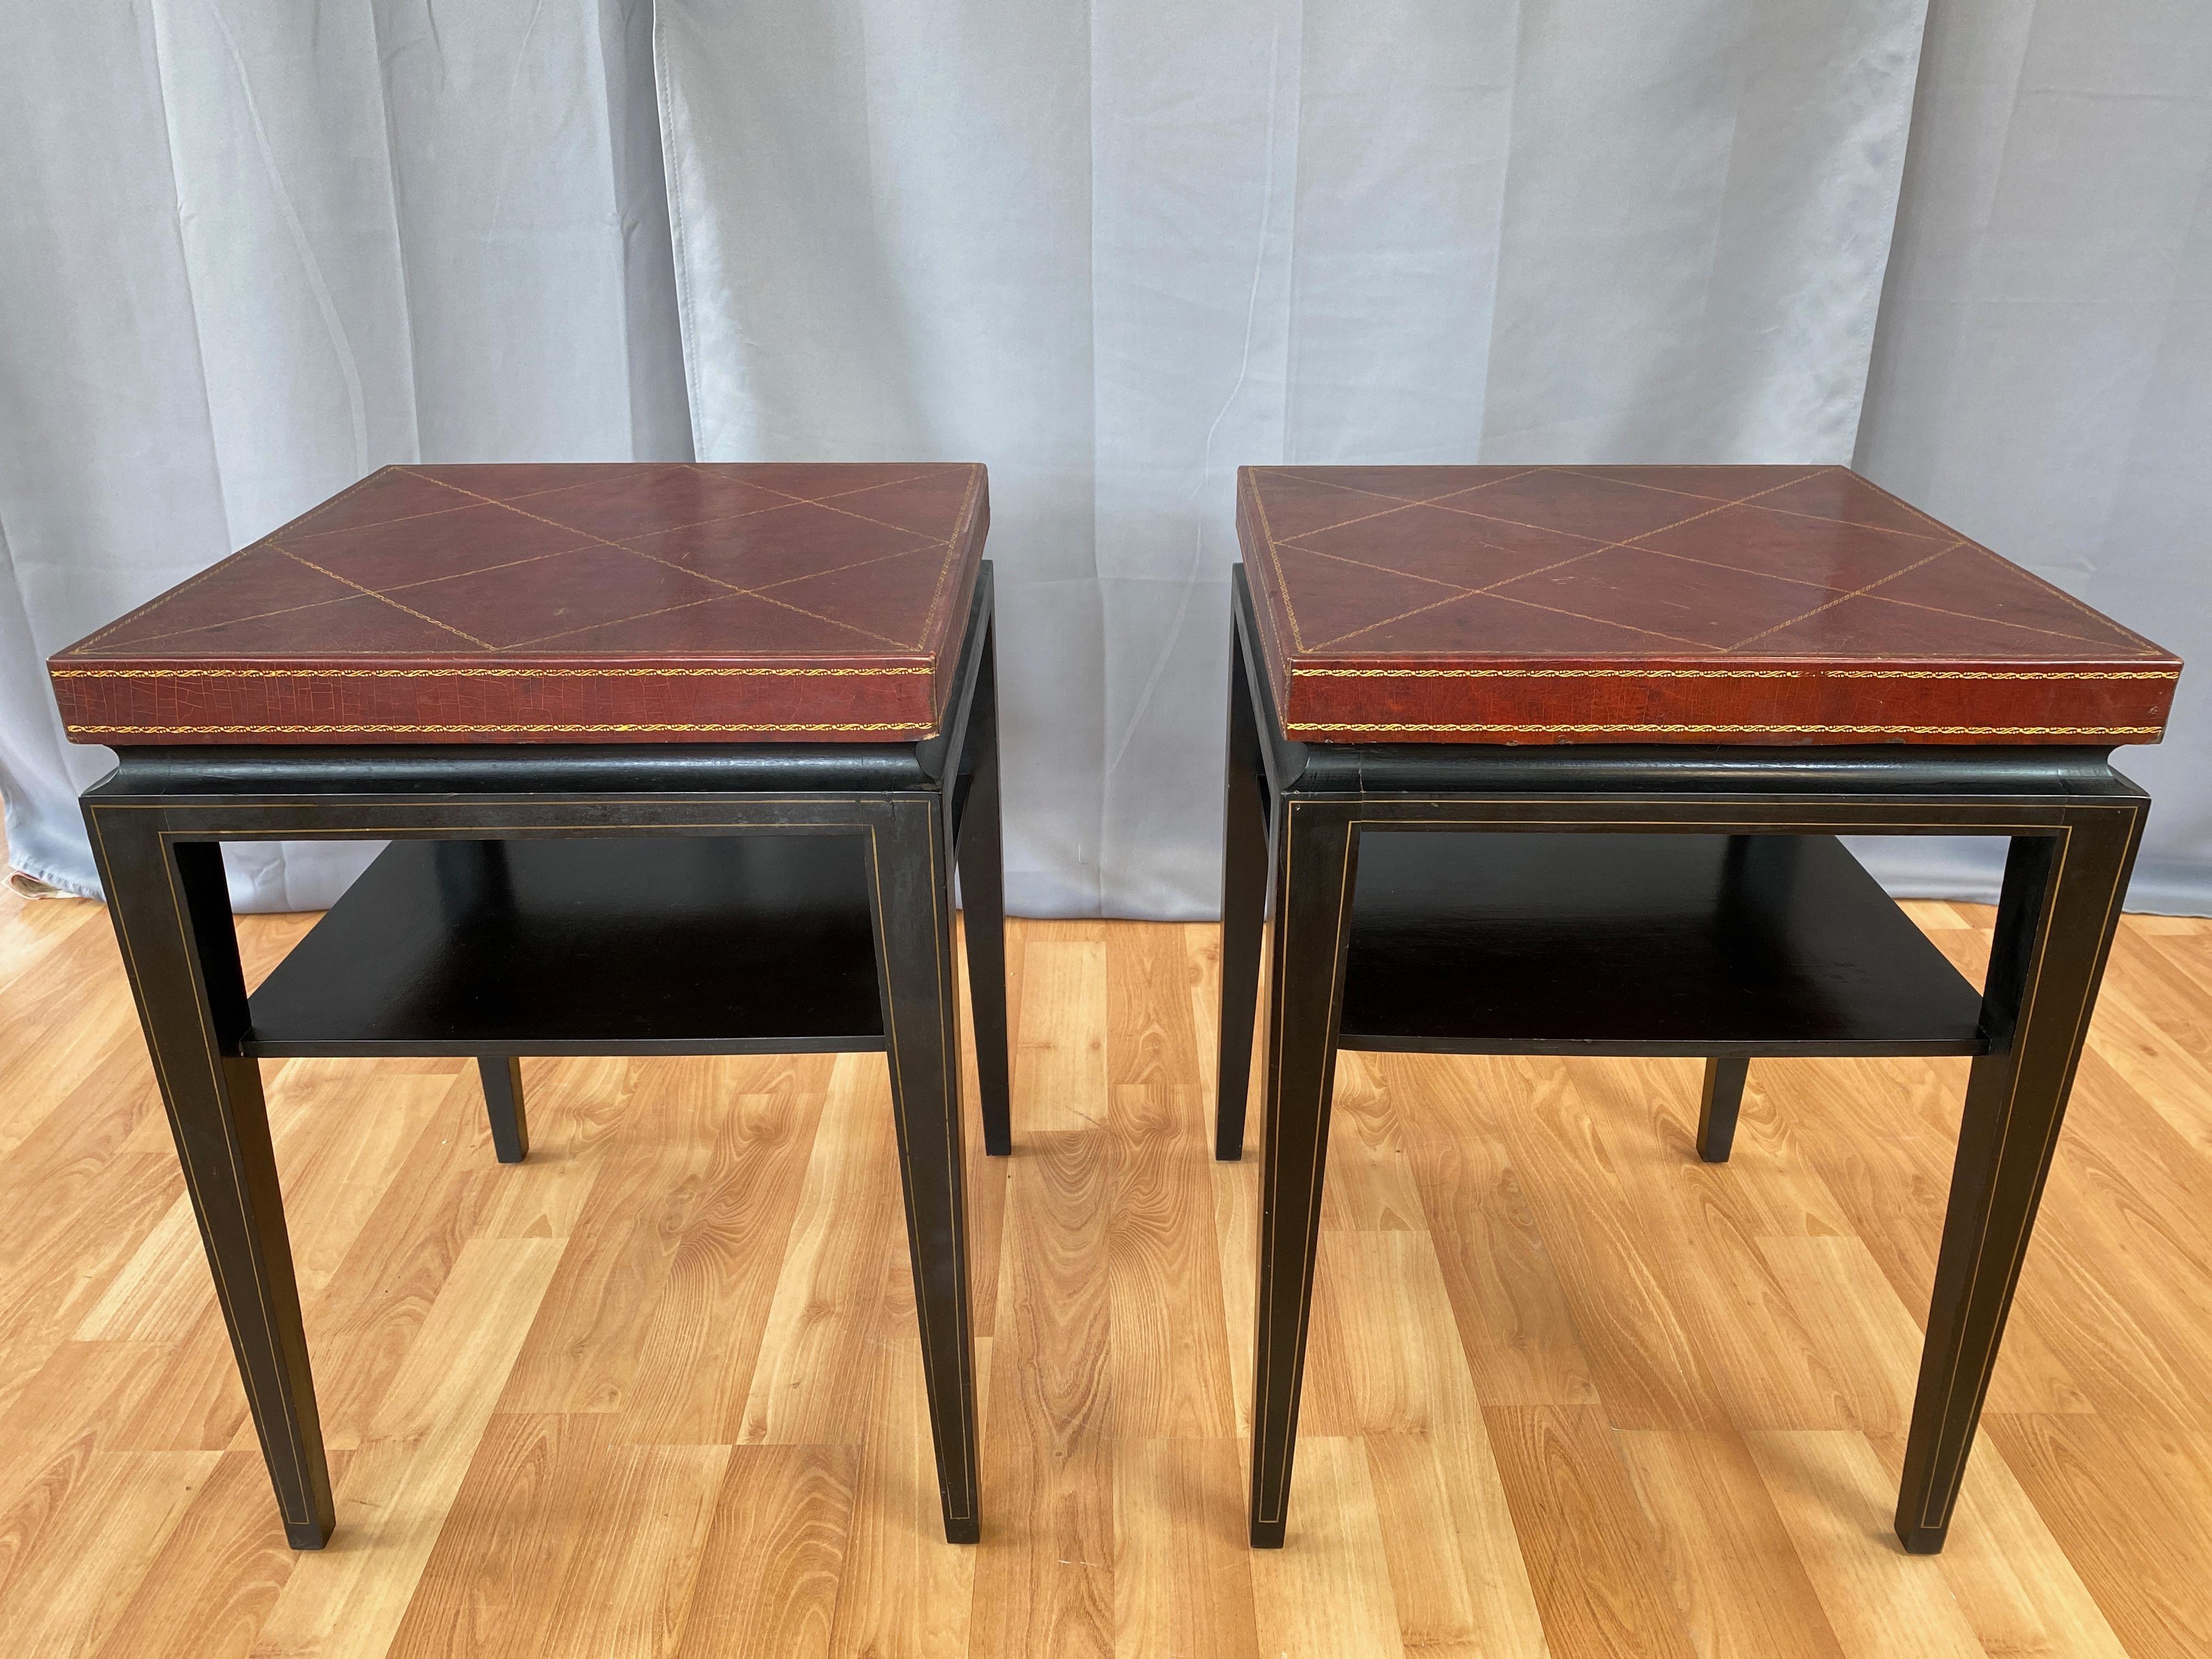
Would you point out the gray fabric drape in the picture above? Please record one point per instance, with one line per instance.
(2043, 372)
(253, 249)
(1116, 254)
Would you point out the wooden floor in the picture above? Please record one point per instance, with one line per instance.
(657, 1391)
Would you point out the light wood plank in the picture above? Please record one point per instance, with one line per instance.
(696, 1357)
(337, 1132)
(1327, 1590)
(772, 1562)
(1522, 1254)
(489, 1586)
(2012, 1577)
(63, 1593)
(1150, 1028)
(903, 1593)
(1182, 1575)
(1370, 1186)
(362, 1328)
(1237, 1249)
(655, 1189)
(1164, 1271)
(81, 1192)
(1044, 1577)
(1736, 1577)
(1766, 1368)
(1395, 1376)
(1592, 1557)
(1867, 1345)
(2129, 1503)
(1644, 1355)
(576, 1107)
(629, 1581)
(1060, 1051)
(1515, 1327)
(419, 1445)
(810, 1384)
(1836, 1499)
(218, 1573)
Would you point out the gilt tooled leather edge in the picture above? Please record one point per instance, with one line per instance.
(117, 701)
(573, 705)
(1764, 703)
(1251, 523)
(1326, 697)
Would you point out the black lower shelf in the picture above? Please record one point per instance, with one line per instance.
(1656, 944)
(586, 945)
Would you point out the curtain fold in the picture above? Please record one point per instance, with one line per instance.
(884, 218)
(1117, 256)
(256, 249)
(253, 249)
(2043, 375)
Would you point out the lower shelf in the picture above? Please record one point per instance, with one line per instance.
(586, 945)
(1656, 944)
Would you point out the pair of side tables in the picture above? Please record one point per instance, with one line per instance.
(678, 759)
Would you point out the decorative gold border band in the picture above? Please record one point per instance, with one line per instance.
(909, 726)
(1810, 671)
(460, 672)
(1297, 725)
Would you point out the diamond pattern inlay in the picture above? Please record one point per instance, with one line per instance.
(1561, 604)
(835, 593)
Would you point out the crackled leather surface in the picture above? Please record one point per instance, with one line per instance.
(1706, 604)
(618, 602)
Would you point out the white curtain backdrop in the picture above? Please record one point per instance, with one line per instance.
(2043, 372)
(254, 248)
(1116, 254)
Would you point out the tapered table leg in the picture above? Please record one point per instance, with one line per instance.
(500, 1075)
(913, 921)
(983, 901)
(1243, 902)
(1718, 1106)
(1313, 908)
(502, 1091)
(2056, 919)
(171, 908)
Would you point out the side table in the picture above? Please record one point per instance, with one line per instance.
(1552, 760)
(673, 760)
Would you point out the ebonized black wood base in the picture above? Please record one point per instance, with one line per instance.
(510, 1121)
(1654, 901)
(1717, 1106)
(538, 900)
(587, 945)
(1593, 942)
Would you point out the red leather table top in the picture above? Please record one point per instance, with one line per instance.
(1706, 604)
(625, 603)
